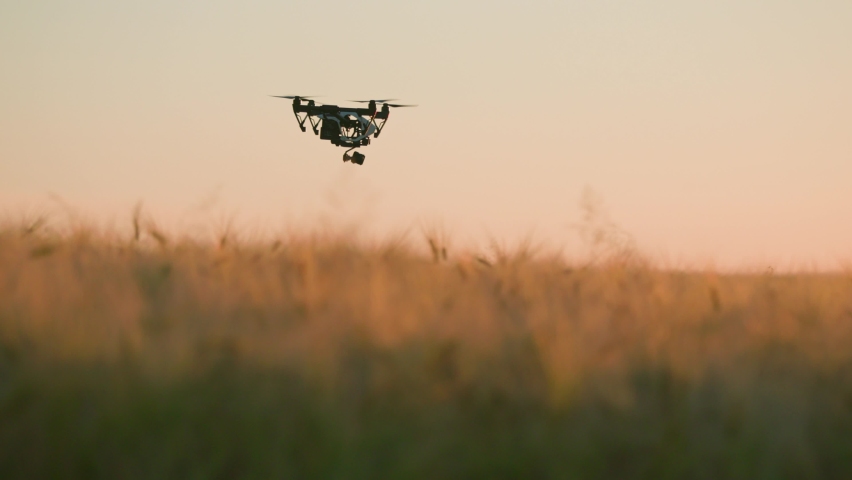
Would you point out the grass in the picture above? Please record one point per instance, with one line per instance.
(318, 357)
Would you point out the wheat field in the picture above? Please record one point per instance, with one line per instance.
(148, 355)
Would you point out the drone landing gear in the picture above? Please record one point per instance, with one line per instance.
(357, 158)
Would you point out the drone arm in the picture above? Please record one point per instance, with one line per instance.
(314, 125)
(300, 120)
(379, 127)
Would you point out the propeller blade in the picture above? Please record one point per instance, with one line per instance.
(396, 105)
(291, 97)
(377, 101)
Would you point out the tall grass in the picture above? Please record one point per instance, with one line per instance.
(151, 356)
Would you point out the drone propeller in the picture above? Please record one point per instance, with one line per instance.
(396, 105)
(377, 101)
(292, 97)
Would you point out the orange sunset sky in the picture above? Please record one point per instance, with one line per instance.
(715, 131)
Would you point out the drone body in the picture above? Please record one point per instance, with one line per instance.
(349, 127)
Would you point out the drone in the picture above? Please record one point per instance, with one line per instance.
(343, 126)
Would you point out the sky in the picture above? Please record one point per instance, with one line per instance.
(715, 132)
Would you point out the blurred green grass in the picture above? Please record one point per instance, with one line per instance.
(320, 357)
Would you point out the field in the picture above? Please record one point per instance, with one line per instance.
(148, 355)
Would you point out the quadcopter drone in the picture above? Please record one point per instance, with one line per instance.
(344, 126)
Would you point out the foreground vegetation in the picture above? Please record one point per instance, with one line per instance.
(314, 357)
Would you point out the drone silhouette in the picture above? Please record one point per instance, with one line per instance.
(343, 126)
